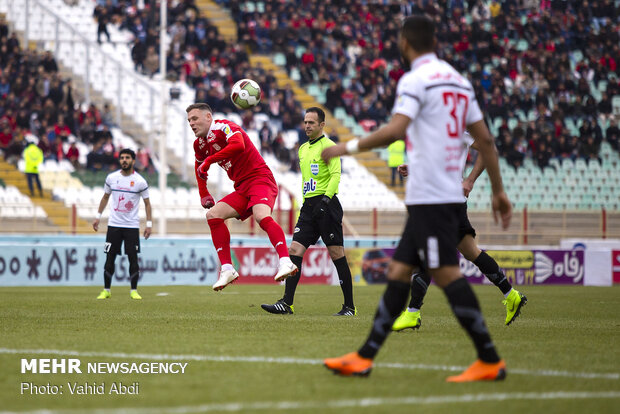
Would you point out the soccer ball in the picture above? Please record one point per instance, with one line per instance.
(245, 94)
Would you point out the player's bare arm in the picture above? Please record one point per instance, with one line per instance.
(486, 147)
(149, 220)
(102, 204)
(468, 182)
(384, 136)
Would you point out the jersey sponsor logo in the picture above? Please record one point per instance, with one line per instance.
(201, 143)
(217, 147)
(309, 186)
(225, 165)
(131, 184)
(297, 230)
(227, 130)
(314, 169)
(211, 137)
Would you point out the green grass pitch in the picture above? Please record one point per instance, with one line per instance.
(562, 353)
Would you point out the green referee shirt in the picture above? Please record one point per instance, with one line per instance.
(317, 177)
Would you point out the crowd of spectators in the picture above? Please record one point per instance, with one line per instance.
(37, 105)
(199, 56)
(522, 57)
(545, 72)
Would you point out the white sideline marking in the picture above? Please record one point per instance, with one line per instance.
(356, 403)
(300, 361)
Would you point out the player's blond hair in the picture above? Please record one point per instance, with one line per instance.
(199, 105)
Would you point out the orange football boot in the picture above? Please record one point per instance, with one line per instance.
(481, 371)
(349, 364)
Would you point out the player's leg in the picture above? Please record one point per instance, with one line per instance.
(438, 238)
(466, 308)
(331, 232)
(411, 317)
(402, 265)
(296, 253)
(306, 233)
(261, 193)
(391, 304)
(112, 247)
(132, 248)
(284, 306)
(514, 300)
(346, 282)
(108, 273)
(220, 235)
(262, 215)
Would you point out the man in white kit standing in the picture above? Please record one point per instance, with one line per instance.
(126, 187)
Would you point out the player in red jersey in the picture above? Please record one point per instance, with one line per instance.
(224, 142)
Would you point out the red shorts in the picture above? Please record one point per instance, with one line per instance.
(252, 191)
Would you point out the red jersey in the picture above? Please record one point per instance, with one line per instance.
(240, 166)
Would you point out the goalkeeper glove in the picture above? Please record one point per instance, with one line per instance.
(207, 201)
(320, 209)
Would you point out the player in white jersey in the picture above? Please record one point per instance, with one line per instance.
(126, 188)
(433, 108)
(514, 300)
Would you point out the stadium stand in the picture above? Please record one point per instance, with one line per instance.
(356, 86)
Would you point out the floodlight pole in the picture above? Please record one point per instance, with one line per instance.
(164, 118)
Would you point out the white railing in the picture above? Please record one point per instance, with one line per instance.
(134, 95)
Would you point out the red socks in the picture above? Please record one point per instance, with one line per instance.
(276, 235)
(221, 239)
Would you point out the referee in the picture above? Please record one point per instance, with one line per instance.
(126, 188)
(320, 215)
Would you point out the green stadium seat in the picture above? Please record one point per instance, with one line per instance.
(567, 164)
(249, 7)
(295, 74)
(522, 45)
(279, 59)
(512, 123)
(340, 113)
(615, 102)
(580, 164)
(314, 90)
(299, 50)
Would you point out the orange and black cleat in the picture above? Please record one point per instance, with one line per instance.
(481, 371)
(349, 364)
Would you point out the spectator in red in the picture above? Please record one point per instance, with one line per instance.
(73, 155)
(62, 130)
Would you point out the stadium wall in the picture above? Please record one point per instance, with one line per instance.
(79, 261)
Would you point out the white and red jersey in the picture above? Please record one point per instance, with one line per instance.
(245, 164)
(440, 103)
(126, 192)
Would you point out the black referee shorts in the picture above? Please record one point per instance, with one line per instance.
(308, 230)
(117, 235)
(430, 237)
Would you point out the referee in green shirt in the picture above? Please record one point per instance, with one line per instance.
(320, 215)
